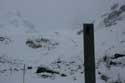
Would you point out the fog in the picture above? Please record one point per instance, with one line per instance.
(57, 14)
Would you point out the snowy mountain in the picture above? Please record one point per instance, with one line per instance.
(110, 54)
(21, 44)
(57, 56)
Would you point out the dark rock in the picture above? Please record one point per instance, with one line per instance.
(118, 56)
(46, 70)
(114, 63)
(104, 77)
(59, 61)
(105, 58)
(63, 75)
(29, 67)
(122, 8)
(80, 32)
(2, 38)
(32, 44)
(16, 69)
(99, 73)
(114, 6)
(81, 72)
(41, 43)
(45, 76)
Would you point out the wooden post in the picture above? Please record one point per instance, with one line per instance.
(24, 74)
(89, 58)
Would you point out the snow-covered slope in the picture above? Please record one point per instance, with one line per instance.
(110, 45)
(57, 56)
(21, 44)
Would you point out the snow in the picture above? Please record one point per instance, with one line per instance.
(51, 27)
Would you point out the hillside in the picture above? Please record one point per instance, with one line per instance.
(57, 56)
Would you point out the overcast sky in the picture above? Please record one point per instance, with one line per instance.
(58, 14)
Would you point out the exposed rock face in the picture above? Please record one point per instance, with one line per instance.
(41, 43)
(62, 68)
(111, 63)
(114, 16)
(5, 40)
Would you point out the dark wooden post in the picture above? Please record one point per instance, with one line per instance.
(24, 73)
(89, 58)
